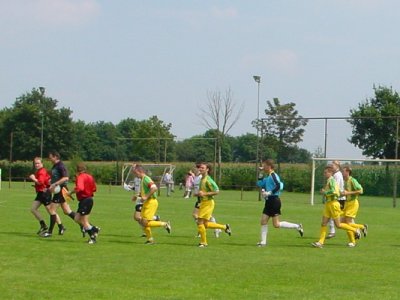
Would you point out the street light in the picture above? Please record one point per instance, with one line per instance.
(258, 80)
(42, 91)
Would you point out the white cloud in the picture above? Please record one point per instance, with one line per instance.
(284, 61)
(225, 13)
(49, 12)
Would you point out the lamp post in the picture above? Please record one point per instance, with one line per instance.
(42, 91)
(258, 80)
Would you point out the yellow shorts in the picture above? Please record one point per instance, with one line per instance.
(206, 209)
(351, 208)
(332, 209)
(149, 209)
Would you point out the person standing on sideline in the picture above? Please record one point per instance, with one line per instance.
(189, 179)
(148, 192)
(338, 176)
(85, 187)
(41, 178)
(352, 189)
(168, 182)
(208, 189)
(59, 180)
(271, 186)
(332, 210)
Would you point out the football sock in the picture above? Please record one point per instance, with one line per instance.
(264, 233)
(322, 235)
(202, 230)
(215, 226)
(42, 224)
(288, 225)
(72, 215)
(53, 219)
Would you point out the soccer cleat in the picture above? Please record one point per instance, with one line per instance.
(351, 245)
(202, 245)
(46, 234)
(331, 235)
(357, 234)
(365, 230)
(168, 226)
(96, 231)
(317, 244)
(149, 242)
(157, 218)
(42, 229)
(92, 241)
(61, 230)
(83, 232)
(143, 235)
(301, 230)
(259, 244)
(228, 229)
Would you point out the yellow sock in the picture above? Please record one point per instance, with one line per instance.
(351, 237)
(322, 234)
(147, 231)
(213, 225)
(202, 230)
(346, 226)
(155, 224)
(359, 226)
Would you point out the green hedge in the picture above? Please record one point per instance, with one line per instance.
(376, 180)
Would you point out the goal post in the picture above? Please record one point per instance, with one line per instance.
(359, 162)
(155, 171)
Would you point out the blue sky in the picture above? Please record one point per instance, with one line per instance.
(110, 60)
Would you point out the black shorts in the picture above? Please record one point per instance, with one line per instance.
(85, 206)
(341, 202)
(43, 197)
(197, 204)
(58, 198)
(138, 207)
(272, 206)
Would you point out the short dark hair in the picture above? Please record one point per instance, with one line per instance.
(269, 162)
(54, 153)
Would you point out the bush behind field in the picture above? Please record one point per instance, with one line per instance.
(376, 180)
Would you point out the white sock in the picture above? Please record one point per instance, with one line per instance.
(264, 233)
(331, 225)
(288, 225)
(212, 219)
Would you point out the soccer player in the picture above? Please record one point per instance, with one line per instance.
(59, 177)
(271, 189)
(196, 189)
(337, 175)
(41, 178)
(332, 210)
(352, 189)
(208, 189)
(148, 192)
(85, 187)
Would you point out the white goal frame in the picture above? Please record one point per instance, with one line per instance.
(314, 159)
(127, 168)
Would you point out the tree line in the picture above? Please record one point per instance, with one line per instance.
(35, 124)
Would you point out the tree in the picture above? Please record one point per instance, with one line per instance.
(283, 123)
(219, 114)
(23, 122)
(374, 130)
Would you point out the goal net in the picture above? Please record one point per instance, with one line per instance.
(379, 177)
(155, 171)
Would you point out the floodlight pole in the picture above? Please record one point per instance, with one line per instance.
(42, 91)
(258, 80)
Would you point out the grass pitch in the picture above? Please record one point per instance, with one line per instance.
(120, 266)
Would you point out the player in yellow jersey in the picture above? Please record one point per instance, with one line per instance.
(208, 189)
(148, 192)
(352, 189)
(332, 210)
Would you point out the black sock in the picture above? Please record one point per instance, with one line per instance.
(53, 221)
(60, 226)
(42, 224)
(72, 215)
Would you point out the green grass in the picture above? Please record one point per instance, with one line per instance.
(120, 266)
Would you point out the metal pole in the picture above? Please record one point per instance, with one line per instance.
(42, 91)
(395, 166)
(326, 136)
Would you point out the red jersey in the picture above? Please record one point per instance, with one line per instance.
(44, 180)
(85, 186)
